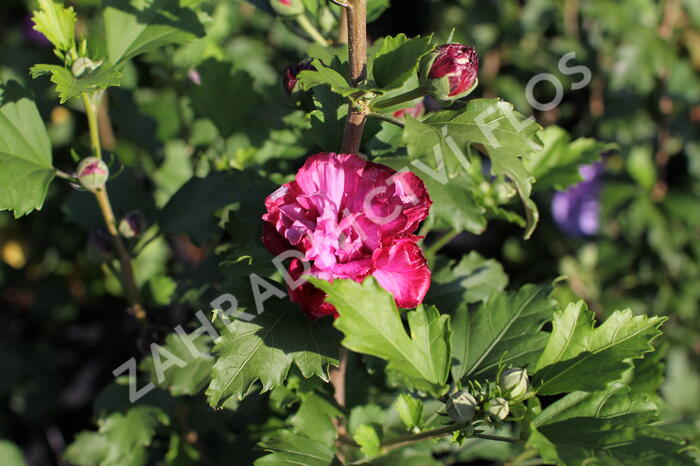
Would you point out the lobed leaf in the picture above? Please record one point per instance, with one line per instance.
(69, 87)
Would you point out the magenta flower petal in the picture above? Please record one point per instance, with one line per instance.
(401, 269)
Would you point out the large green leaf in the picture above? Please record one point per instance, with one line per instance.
(506, 328)
(193, 376)
(264, 348)
(122, 439)
(69, 87)
(471, 280)
(137, 26)
(397, 60)
(579, 356)
(371, 323)
(314, 418)
(506, 136)
(25, 152)
(556, 165)
(606, 427)
(10, 455)
(57, 23)
(288, 448)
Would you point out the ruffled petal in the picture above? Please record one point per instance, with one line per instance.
(401, 269)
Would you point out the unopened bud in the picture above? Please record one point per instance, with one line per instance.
(514, 383)
(132, 224)
(83, 65)
(497, 409)
(287, 7)
(92, 174)
(461, 406)
(450, 71)
(290, 73)
(99, 246)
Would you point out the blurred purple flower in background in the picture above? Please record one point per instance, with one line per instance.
(30, 34)
(577, 210)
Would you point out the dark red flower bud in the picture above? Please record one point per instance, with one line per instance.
(132, 224)
(287, 7)
(290, 73)
(450, 71)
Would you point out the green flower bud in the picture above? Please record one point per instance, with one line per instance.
(497, 409)
(287, 7)
(461, 406)
(132, 224)
(514, 382)
(83, 65)
(92, 174)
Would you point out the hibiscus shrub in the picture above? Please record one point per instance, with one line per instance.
(309, 221)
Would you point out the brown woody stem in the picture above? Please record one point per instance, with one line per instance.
(357, 52)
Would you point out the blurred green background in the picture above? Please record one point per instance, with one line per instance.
(64, 328)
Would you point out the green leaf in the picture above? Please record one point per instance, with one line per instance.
(556, 165)
(10, 455)
(69, 87)
(326, 76)
(397, 60)
(581, 357)
(607, 427)
(122, 439)
(371, 323)
(25, 152)
(314, 418)
(187, 380)
(57, 23)
(264, 349)
(410, 410)
(159, 290)
(288, 448)
(375, 8)
(472, 280)
(225, 96)
(507, 138)
(506, 328)
(134, 27)
(368, 436)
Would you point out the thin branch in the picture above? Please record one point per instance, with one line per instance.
(440, 243)
(311, 30)
(357, 53)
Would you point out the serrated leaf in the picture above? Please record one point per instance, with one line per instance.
(507, 137)
(471, 280)
(69, 87)
(371, 323)
(607, 427)
(580, 357)
(288, 448)
(314, 418)
(57, 23)
(134, 27)
(557, 164)
(410, 410)
(324, 75)
(397, 60)
(264, 349)
(122, 439)
(368, 437)
(25, 152)
(506, 328)
(187, 380)
(227, 106)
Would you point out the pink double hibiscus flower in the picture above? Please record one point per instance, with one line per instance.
(350, 219)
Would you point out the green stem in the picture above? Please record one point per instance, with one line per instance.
(440, 243)
(131, 290)
(437, 433)
(309, 28)
(393, 120)
(399, 99)
(91, 112)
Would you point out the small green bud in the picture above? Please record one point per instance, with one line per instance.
(461, 406)
(287, 7)
(497, 409)
(92, 174)
(514, 383)
(83, 65)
